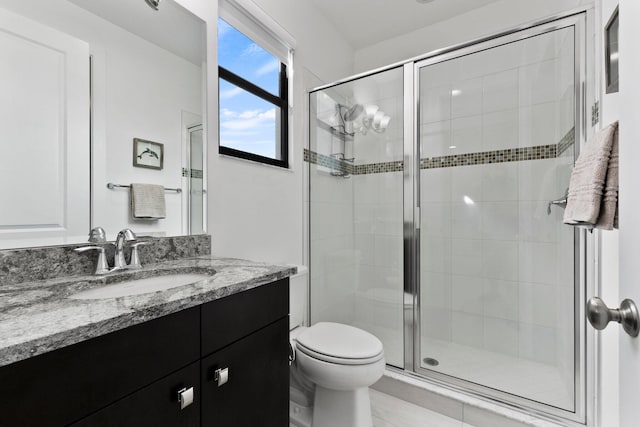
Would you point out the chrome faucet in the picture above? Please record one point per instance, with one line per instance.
(123, 236)
(97, 236)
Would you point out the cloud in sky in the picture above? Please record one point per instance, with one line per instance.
(270, 66)
(230, 93)
(223, 28)
(225, 112)
(252, 49)
(249, 119)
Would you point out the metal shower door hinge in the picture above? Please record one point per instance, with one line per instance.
(595, 113)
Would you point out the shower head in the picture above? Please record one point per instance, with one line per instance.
(154, 4)
(351, 113)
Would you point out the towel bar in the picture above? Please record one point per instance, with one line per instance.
(111, 186)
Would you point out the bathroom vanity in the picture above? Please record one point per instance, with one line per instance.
(212, 353)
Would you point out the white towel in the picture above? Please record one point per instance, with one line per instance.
(608, 216)
(147, 201)
(587, 182)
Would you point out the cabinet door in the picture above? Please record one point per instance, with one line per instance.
(155, 405)
(62, 386)
(228, 319)
(257, 390)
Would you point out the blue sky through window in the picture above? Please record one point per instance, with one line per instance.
(247, 122)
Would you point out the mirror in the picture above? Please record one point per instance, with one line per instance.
(81, 79)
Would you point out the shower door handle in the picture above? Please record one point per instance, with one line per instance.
(600, 315)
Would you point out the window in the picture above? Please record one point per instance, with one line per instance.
(253, 94)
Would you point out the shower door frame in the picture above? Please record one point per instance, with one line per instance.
(583, 244)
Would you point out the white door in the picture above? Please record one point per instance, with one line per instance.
(44, 134)
(629, 204)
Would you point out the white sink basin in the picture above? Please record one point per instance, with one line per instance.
(140, 286)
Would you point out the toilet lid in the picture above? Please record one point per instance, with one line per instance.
(334, 342)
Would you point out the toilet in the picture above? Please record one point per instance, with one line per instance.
(333, 366)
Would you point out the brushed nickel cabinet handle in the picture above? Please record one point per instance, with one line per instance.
(185, 397)
(221, 376)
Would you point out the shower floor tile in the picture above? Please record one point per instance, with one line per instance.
(532, 380)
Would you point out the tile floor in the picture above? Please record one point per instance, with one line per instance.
(389, 411)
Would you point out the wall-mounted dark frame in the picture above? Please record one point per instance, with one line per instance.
(156, 150)
(280, 101)
(612, 52)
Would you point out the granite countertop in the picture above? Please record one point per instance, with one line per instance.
(37, 317)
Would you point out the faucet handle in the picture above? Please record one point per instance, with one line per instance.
(97, 235)
(102, 267)
(128, 234)
(135, 257)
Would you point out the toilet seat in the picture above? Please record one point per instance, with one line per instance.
(340, 344)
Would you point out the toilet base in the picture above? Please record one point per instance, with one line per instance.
(335, 408)
(299, 416)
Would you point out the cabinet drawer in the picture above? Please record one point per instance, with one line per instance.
(65, 385)
(256, 392)
(155, 405)
(228, 319)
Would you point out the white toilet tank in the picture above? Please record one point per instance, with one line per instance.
(298, 300)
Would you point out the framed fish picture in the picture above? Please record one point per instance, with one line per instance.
(148, 154)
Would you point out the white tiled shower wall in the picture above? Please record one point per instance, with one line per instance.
(378, 217)
(356, 236)
(331, 238)
(497, 271)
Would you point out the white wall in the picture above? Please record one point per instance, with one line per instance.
(256, 211)
(629, 201)
(140, 90)
(486, 20)
(607, 403)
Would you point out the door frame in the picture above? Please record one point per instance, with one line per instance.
(585, 254)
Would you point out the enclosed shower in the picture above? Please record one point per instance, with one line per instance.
(432, 215)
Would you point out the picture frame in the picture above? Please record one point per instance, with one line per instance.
(611, 54)
(148, 154)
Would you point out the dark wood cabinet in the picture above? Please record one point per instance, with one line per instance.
(257, 390)
(132, 377)
(61, 386)
(155, 405)
(228, 319)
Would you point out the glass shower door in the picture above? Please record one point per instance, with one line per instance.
(196, 181)
(355, 160)
(497, 286)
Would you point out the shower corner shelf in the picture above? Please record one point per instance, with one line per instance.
(340, 156)
(337, 131)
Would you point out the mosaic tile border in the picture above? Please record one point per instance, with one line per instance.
(328, 162)
(192, 173)
(539, 152)
(488, 157)
(567, 141)
(379, 168)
